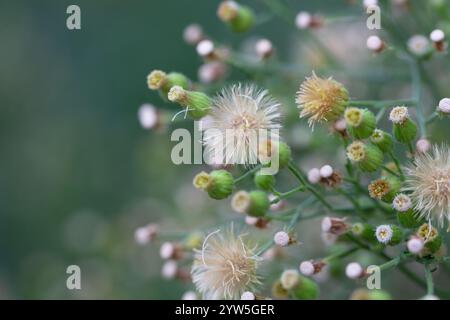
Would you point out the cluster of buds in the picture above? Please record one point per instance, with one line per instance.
(197, 103)
(384, 189)
(163, 82)
(326, 175)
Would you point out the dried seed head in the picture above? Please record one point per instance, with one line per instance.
(336, 226)
(379, 188)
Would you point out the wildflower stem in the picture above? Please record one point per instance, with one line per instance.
(248, 173)
(397, 164)
(298, 174)
(391, 172)
(381, 103)
(429, 280)
(410, 148)
(287, 194)
(340, 254)
(432, 117)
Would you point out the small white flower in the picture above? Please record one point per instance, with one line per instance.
(189, 295)
(415, 245)
(169, 269)
(423, 145)
(167, 250)
(307, 268)
(444, 105)
(354, 270)
(326, 171)
(384, 234)
(144, 235)
(247, 295)
(289, 279)
(402, 203)
(399, 115)
(303, 20)
(314, 176)
(148, 116)
(205, 48)
(251, 220)
(370, 3)
(437, 35)
(374, 43)
(193, 34)
(418, 45)
(263, 48)
(281, 238)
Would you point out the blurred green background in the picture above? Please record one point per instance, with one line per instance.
(77, 172)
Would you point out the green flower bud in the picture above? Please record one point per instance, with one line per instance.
(379, 295)
(240, 18)
(389, 234)
(405, 129)
(432, 239)
(306, 289)
(365, 231)
(367, 156)
(259, 203)
(194, 240)
(218, 183)
(384, 189)
(382, 140)
(265, 182)
(408, 219)
(198, 103)
(285, 154)
(159, 80)
(360, 122)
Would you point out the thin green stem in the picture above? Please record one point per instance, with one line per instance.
(298, 174)
(397, 164)
(341, 254)
(248, 173)
(429, 280)
(391, 172)
(287, 194)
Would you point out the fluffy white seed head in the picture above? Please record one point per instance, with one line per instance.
(415, 245)
(423, 145)
(247, 295)
(326, 171)
(303, 20)
(399, 115)
(193, 34)
(169, 269)
(167, 250)
(444, 105)
(189, 295)
(281, 238)
(205, 48)
(314, 175)
(307, 268)
(428, 184)
(226, 266)
(148, 116)
(402, 202)
(418, 45)
(374, 43)
(384, 233)
(239, 115)
(263, 48)
(437, 35)
(289, 279)
(354, 270)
